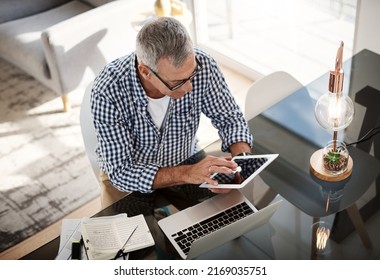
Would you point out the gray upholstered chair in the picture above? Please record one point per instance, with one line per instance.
(64, 44)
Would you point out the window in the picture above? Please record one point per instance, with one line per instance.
(257, 37)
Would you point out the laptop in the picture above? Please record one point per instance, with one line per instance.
(213, 222)
(248, 168)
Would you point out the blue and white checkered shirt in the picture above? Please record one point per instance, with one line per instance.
(131, 148)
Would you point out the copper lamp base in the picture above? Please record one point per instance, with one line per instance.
(316, 167)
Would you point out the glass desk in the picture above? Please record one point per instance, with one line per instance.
(289, 129)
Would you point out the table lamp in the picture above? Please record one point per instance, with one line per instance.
(333, 111)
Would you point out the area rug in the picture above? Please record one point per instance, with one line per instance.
(44, 171)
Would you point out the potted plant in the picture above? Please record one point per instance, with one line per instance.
(335, 157)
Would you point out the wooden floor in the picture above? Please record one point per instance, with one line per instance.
(238, 85)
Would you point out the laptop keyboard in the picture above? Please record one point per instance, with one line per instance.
(186, 237)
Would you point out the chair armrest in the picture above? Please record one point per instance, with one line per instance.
(78, 48)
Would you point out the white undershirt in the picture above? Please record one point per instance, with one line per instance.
(157, 109)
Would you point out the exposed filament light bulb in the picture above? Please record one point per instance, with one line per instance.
(322, 235)
(335, 110)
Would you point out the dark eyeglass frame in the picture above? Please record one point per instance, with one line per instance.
(198, 69)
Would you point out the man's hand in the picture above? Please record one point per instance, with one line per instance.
(202, 171)
(197, 173)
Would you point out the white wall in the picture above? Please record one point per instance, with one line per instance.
(367, 35)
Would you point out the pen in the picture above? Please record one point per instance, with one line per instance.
(121, 251)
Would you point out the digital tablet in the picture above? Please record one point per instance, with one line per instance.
(249, 167)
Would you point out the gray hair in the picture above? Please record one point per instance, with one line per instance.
(163, 37)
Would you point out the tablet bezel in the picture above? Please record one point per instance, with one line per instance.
(270, 158)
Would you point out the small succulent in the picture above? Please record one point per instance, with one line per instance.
(334, 161)
(332, 157)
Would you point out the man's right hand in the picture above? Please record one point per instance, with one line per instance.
(201, 172)
(197, 173)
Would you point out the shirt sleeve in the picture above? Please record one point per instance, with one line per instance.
(221, 107)
(115, 144)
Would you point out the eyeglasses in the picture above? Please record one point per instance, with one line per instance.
(198, 69)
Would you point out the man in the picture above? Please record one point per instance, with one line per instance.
(146, 108)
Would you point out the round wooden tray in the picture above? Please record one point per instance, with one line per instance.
(316, 167)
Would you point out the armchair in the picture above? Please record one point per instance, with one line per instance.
(64, 44)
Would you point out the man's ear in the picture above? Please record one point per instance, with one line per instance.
(143, 70)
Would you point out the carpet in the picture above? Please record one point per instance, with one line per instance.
(44, 171)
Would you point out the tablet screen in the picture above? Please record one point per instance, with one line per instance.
(248, 167)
